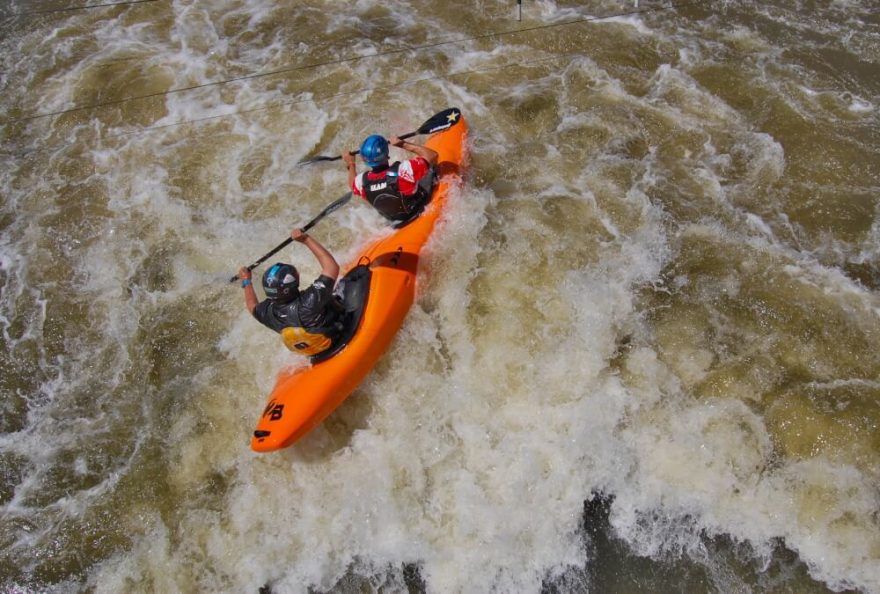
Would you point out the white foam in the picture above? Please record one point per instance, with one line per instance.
(860, 105)
(472, 446)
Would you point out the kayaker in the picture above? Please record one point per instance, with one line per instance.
(399, 191)
(307, 320)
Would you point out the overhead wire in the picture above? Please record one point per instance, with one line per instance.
(359, 91)
(350, 59)
(74, 8)
(301, 100)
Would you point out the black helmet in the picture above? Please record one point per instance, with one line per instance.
(281, 282)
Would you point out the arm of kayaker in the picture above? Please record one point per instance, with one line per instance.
(250, 296)
(352, 167)
(329, 267)
(429, 155)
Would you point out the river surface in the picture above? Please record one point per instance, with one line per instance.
(645, 351)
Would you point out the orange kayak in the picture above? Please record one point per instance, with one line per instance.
(381, 286)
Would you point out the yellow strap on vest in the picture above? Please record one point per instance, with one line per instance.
(303, 342)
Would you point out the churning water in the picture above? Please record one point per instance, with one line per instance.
(645, 353)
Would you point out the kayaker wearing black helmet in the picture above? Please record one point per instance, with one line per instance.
(399, 191)
(306, 320)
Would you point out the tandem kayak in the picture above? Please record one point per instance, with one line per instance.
(378, 290)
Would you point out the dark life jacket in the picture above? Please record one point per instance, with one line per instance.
(384, 194)
(284, 318)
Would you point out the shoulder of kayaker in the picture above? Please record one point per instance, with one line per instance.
(316, 295)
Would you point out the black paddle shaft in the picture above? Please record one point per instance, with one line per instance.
(339, 203)
(442, 120)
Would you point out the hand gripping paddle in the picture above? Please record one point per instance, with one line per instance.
(336, 205)
(436, 123)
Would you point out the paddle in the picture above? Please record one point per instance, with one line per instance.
(336, 205)
(437, 122)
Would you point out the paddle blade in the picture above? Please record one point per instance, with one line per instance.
(441, 121)
(319, 158)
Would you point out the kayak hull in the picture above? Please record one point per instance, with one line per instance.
(304, 396)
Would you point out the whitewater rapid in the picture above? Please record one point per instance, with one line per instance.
(654, 295)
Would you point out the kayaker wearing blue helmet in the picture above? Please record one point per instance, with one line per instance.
(306, 320)
(399, 191)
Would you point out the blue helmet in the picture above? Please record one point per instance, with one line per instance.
(374, 150)
(281, 282)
